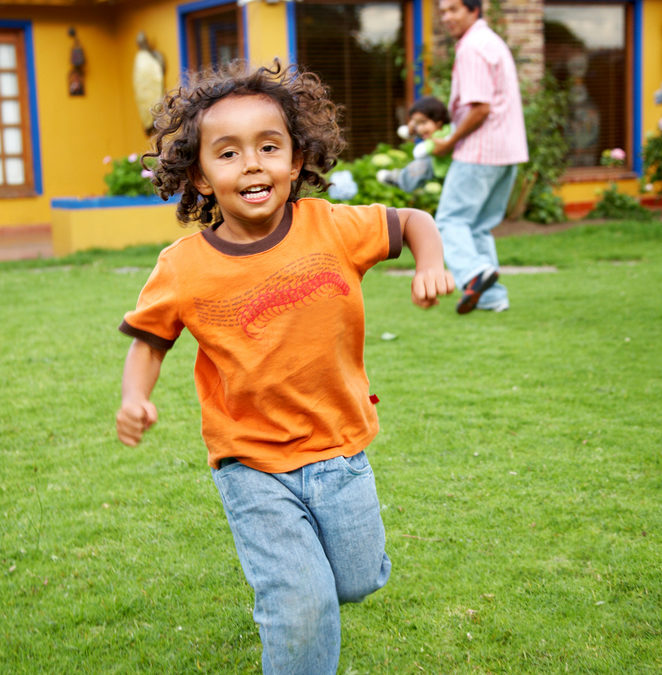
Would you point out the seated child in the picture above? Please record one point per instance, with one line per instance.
(428, 119)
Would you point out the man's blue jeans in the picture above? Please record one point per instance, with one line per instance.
(307, 540)
(472, 203)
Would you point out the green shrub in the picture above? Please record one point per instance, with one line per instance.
(127, 176)
(370, 190)
(652, 156)
(543, 206)
(615, 205)
(545, 115)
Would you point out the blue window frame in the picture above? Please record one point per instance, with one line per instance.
(20, 150)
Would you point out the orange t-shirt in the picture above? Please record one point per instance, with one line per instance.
(280, 329)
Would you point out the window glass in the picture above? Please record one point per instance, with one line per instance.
(10, 112)
(585, 49)
(8, 84)
(13, 143)
(7, 56)
(357, 50)
(216, 36)
(15, 171)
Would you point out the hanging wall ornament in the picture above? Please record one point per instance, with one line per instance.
(76, 77)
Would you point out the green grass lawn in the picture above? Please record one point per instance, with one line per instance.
(518, 467)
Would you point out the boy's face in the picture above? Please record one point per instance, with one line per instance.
(424, 127)
(247, 162)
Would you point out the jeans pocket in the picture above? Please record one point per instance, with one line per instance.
(358, 464)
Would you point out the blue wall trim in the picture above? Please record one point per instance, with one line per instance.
(291, 13)
(244, 21)
(418, 48)
(637, 85)
(35, 141)
(109, 202)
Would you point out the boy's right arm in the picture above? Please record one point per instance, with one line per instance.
(141, 371)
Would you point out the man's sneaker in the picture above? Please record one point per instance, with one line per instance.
(475, 288)
(499, 306)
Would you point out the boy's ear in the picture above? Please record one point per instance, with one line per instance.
(297, 164)
(200, 182)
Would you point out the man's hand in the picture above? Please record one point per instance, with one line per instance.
(442, 146)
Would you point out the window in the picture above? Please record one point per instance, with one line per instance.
(585, 47)
(214, 36)
(357, 48)
(16, 165)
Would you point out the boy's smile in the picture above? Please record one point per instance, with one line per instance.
(247, 162)
(423, 125)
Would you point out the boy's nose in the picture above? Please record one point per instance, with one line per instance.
(251, 162)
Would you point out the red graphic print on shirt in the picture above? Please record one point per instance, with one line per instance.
(301, 283)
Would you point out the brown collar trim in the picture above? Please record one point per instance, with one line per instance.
(230, 248)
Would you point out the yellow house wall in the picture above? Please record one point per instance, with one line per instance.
(267, 32)
(588, 191)
(652, 75)
(76, 132)
(114, 227)
(158, 20)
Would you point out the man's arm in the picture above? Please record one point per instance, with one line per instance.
(474, 119)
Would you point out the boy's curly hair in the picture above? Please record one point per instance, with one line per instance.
(310, 115)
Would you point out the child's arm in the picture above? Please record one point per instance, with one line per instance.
(141, 371)
(431, 278)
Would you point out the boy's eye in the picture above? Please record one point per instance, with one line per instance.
(228, 154)
(269, 148)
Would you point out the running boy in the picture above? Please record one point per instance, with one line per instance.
(271, 291)
(428, 119)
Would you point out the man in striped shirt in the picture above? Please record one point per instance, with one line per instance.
(488, 142)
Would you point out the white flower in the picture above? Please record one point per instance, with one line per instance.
(343, 186)
(381, 159)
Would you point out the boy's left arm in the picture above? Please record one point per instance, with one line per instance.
(431, 278)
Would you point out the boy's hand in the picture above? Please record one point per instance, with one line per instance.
(133, 419)
(428, 284)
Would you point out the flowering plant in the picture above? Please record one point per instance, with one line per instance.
(342, 186)
(614, 157)
(128, 177)
(356, 182)
(651, 179)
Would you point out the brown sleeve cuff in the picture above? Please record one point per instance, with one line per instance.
(394, 233)
(151, 339)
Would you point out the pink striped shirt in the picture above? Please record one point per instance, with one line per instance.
(484, 72)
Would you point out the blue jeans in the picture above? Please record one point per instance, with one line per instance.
(415, 174)
(307, 540)
(473, 202)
